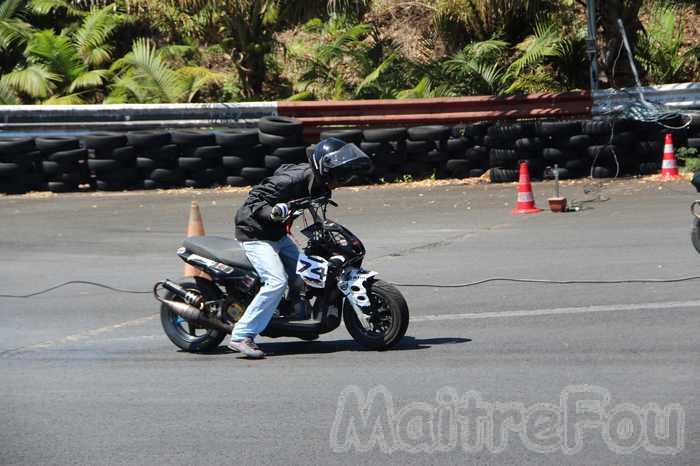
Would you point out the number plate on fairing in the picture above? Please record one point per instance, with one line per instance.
(313, 270)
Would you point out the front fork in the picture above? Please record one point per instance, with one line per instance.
(352, 283)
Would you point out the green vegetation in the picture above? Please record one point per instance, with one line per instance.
(147, 51)
(688, 158)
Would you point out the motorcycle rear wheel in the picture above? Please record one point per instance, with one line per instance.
(184, 334)
(389, 317)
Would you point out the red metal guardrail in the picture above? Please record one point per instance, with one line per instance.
(438, 110)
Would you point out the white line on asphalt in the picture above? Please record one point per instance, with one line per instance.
(80, 336)
(677, 305)
(561, 310)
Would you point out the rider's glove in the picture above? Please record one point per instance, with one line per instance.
(279, 213)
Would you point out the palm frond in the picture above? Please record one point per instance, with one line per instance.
(10, 9)
(299, 96)
(542, 44)
(70, 99)
(56, 52)
(486, 47)
(91, 38)
(421, 90)
(376, 73)
(660, 47)
(13, 32)
(536, 79)
(45, 7)
(35, 80)
(340, 45)
(147, 65)
(7, 94)
(196, 78)
(491, 76)
(90, 80)
(128, 89)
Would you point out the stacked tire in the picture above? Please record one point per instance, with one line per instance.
(156, 159)
(388, 149)
(510, 144)
(614, 152)
(241, 150)
(282, 139)
(112, 161)
(477, 152)
(64, 164)
(434, 153)
(565, 146)
(463, 161)
(200, 158)
(20, 165)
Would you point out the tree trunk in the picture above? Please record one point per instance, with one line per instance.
(251, 42)
(617, 74)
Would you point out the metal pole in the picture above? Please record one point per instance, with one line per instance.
(630, 57)
(590, 44)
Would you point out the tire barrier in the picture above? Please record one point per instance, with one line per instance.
(159, 159)
(20, 166)
(112, 161)
(156, 158)
(282, 141)
(64, 165)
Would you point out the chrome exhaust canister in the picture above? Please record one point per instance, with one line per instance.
(196, 316)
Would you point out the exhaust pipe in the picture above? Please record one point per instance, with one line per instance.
(190, 308)
(196, 316)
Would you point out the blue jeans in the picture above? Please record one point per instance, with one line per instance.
(275, 262)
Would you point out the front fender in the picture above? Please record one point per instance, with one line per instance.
(352, 284)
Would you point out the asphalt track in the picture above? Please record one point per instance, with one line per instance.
(89, 378)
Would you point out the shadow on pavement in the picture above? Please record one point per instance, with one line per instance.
(325, 347)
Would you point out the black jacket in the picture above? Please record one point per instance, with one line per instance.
(289, 182)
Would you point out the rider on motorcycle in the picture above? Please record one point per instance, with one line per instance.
(262, 230)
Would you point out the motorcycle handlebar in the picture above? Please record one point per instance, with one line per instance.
(306, 202)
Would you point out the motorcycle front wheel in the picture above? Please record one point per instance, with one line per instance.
(388, 317)
(184, 334)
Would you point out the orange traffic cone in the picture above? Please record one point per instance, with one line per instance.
(669, 166)
(526, 201)
(195, 227)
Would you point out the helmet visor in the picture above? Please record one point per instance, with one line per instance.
(349, 154)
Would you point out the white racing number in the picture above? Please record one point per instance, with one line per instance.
(312, 270)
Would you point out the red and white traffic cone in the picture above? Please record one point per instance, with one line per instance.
(195, 227)
(526, 201)
(669, 165)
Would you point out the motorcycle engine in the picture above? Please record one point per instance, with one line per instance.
(232, 310)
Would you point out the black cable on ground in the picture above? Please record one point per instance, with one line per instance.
(408, 285)
(551, 282)
(75, 282)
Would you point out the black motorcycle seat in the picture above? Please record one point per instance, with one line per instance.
(218, 248)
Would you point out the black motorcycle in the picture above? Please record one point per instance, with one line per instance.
(198, 312)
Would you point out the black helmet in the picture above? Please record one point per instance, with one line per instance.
(336, 160)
